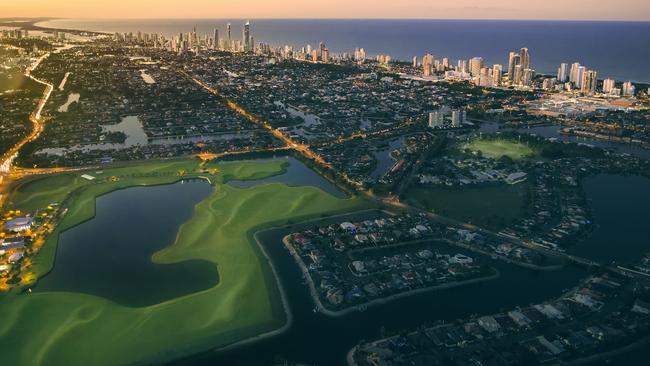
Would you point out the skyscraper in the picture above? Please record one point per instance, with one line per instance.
(608, 85)
(580, 76)
(246, 36)
(485, 77)
(497, 71)
(229, 31)
(215, 40)
(527, 77)
(458, 118)
(628, 89)
(548, 83)
(589, 82)
(325, 55)
(436, 119)
(562, 72)
(427, 64)
(573, 77)
(462, 66)
(514, 59)
(445, 63)
(360, 55)
(518, 74)
(475, 66)
(525, 58)
(194, 38)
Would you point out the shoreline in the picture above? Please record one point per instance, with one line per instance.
(285, 305)
(273, 328)
(572, 131)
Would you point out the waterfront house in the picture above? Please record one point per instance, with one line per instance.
(18, 225)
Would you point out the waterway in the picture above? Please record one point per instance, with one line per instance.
(72, 98)
(621, 207)
(110, 255)
(148, 79)
(310, 119)
(317, 339)
(63, 82)
(151, 216)
(133, 128)
(384, 160)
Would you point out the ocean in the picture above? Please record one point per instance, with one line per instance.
(616, 50)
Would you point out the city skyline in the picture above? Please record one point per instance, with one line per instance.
(625, 10)
(340, 192)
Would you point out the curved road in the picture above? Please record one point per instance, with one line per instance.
(6, 161)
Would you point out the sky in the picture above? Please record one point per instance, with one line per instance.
(260, 9)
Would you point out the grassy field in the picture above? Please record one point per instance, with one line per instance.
(493, 206)
(496, 149)
(78, 329)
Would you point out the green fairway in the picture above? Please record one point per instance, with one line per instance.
(496, 149)
(52, 328)
(494, 206)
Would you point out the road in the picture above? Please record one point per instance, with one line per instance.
(9, 172)
(394, 201)
(303, 149)
(6, 161)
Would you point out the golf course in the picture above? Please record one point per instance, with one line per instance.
(74, 328)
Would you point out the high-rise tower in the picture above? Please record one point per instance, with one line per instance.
(525, 58)
(246, 36)
(475, 66)
(514, 59)
(562, 72)
(427, 64)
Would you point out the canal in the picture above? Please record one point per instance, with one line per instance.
(110, 256)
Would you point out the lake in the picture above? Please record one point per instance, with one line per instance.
(298, 174)
(110, 255)
(72, 98)
(384, 160)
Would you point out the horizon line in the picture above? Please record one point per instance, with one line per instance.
(48, 18)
